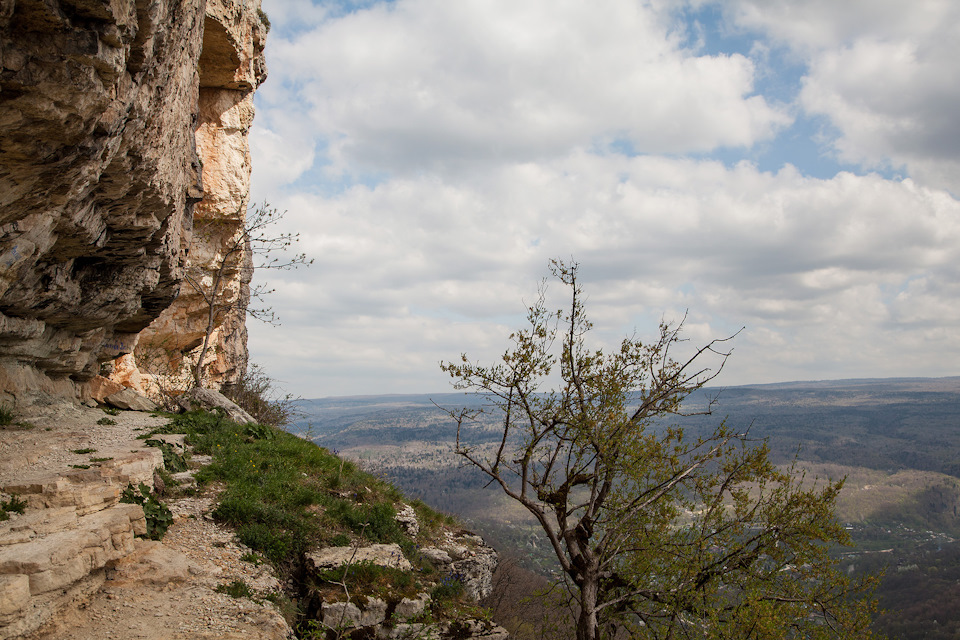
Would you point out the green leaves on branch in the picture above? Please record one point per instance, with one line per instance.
(659, 535)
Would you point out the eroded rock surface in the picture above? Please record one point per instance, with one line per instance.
(113, 115)
(98, 177)
(219, 263)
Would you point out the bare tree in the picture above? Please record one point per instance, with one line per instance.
(256, 246)
(658, 535)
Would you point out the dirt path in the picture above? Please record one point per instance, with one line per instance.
(159, 590)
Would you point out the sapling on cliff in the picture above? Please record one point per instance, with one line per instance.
(255, 246)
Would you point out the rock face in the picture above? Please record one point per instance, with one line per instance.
(106, 108)
(231, 67)
(98, 178)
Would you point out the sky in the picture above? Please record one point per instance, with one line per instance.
(791, 167)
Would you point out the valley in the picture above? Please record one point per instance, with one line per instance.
(896, 441)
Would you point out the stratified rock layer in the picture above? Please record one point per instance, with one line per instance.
(98, 178)
(231, 67)
(104, 106)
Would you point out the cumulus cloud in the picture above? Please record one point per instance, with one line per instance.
(411, 271)
(435, 155)
(883, 73)
(439, 86)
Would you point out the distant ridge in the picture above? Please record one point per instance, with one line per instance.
(427, 398)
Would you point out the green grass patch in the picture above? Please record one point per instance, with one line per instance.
(277, 492)
(84, 451)
(106, 421)
(370, 579)
(111, 411)
(7, 415)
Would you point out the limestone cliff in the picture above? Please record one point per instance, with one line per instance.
(104, 106)
(231, 67)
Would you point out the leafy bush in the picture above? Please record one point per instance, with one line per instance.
(13, 505)
(7, 414)
(157, 514)
(450, 588)
(172, 461)
(106, 421)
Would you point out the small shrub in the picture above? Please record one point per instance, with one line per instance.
(449, 589)
(100, 459)
(369, 578)
(255, 394)
(80, 466)
(84, 451)
(236, 589)
(13, 505)
(106, 421)
(7, 415)
(172, 461)
(111, 411)
(157, 514)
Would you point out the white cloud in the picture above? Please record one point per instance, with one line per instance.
(434, 155)
(883, 71)
(440, 86)
(829, 276)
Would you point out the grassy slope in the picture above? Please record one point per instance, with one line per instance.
(285, 496)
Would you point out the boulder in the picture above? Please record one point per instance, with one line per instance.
(384, 555)
(409, 608)
(99, 388)
(130, 400)
(211, 400)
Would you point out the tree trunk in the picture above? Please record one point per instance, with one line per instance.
(587, 626)
(211, 318)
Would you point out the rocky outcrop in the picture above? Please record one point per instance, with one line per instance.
(73, 564)
(231, 67)
(114, 115)
(454, 561)
(469, 559)
(73, 525)
(98, 178)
